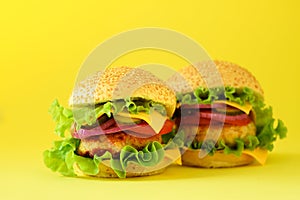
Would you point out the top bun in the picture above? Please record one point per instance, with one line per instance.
(121, 83)
(189, 78)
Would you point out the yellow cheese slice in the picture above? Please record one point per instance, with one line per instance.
(174, 155)
(178, 161)
(154, 119)
(260, 155)
(245, 108)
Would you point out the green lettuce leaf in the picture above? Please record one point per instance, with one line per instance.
(252, 142)
(207, 145)
(229, 150)
(269, 134)
(266, 131)
(142, 105)
(55, 159)
(211, 146)
(62, 157)
(206, 96)
(62, 116)
(89, 115)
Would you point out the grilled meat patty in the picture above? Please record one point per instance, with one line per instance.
(228, 133)
(98, 145)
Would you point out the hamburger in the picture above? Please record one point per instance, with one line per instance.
(227, 123)
(114, 126)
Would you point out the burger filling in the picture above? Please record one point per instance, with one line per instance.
(212, 126)
(119, 132)
(229, 119)
(135, 124)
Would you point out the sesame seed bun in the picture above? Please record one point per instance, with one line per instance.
(189, 78)
(121, 83)
(219, 160)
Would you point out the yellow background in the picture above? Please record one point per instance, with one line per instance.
(43, 44)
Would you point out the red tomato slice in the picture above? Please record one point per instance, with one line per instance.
(137, 129)
(240, 120)
(206, 117)
(148, 130)
(203, 106)
(194, 120)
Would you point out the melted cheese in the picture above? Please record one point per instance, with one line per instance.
(174, 155)
(245, 108)
(260, 155)
(178, 161)
(154, 119)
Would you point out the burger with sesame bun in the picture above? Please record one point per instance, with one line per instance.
(226, 124)
(114, 127)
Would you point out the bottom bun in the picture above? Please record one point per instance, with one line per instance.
(219, 159)
(133, 169)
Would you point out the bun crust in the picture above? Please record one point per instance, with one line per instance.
(189, 78)
(121, 83)
(218, 160)
(134, 170)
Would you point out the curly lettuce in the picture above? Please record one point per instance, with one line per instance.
(206, 96)
(210, 146)
(65, 118)
(268, 130)
(62, 157)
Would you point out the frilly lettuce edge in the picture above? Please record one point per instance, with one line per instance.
(62, 157)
